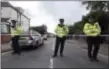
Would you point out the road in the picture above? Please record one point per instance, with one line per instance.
(74, 57)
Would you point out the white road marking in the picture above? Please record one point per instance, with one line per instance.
(51, 59)
(51, 63)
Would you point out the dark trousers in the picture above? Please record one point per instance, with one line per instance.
(93, 42)
(57, 45)
(15, 44)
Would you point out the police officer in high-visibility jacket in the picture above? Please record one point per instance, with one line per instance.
(61, 33)
(15, 34)
(92, 31)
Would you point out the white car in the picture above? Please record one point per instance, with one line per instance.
(32, 38)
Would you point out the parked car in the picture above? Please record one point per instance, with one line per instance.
(32, 38)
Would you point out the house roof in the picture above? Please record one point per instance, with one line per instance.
(20, 9)
(7, 4)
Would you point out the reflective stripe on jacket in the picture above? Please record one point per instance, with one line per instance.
(61, 31)
(92, 30)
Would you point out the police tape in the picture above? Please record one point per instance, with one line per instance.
(54, 35)
(86, 35)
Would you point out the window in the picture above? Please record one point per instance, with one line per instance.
(4, 28)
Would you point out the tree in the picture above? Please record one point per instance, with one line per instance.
(77, 28)
(97, 5)
(100, 12)
(41, 29)
(44, 27)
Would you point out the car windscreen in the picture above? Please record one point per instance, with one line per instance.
(34, 33)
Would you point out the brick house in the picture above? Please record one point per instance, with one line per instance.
(9, 12)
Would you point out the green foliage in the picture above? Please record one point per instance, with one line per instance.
(77, 28)
(41, 29)
(99, 11)
(97, 5)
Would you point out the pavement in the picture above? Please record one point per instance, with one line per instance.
(6, 47)
(74, 57)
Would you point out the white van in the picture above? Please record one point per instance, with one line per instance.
(45, 36)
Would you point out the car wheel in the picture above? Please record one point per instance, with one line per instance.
(36, 44)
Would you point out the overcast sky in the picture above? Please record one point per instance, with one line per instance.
(49, 12)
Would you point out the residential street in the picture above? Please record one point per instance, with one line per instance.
(75, 57)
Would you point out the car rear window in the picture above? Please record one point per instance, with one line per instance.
(25, 34)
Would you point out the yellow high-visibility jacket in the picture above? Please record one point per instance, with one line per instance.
(17, 31)
(61, 31)
(92, 30)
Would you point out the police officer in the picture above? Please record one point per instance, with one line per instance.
(15, 34)
(61, 33)
(92, 31)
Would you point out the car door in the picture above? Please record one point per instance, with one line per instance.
(39, 37)
(35, 39)
(36, 36)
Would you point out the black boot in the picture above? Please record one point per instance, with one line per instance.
(13, 53)
(54, 56)
(95, 59)
(90, 58)
(19, 53)
(61, 55)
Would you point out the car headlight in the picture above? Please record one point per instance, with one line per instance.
(29, 41)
